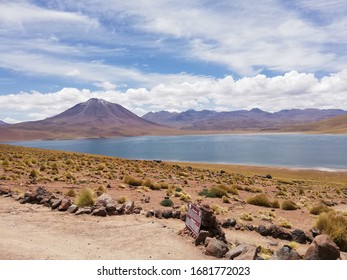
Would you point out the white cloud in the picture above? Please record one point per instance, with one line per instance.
(291, 90)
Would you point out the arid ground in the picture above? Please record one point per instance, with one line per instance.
(31, 231)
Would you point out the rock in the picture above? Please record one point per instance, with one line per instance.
(200, 239)
(55, 203)
(315, 232)
(150, 213)
(111, 207)
(72, 209)
(216, 248)
(286, 253)
(262, 230)
(41, 191)
(279, 232)
(229, 223)
(103, 200)
(176, 214)
(167, 214)
(101, 212)
(158, 214)
(183, 216)
(137, 210)
(120, 208)
(65, 204)
(250, 227)
(322, 248)
(243, 252)
(147, 199)
(30, 197)
(129, 207)
(299, 236)
(4, 190)
(84, 210)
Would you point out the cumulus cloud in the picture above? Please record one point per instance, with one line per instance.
(291, 90)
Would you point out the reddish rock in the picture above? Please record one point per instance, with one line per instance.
(216, 248)
(101, 212)
(65, 204)
(322, 248)
(243, 252)
(286, 253)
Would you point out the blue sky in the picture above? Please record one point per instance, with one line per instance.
(171, 55)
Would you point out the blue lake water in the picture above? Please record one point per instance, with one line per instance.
(289, 150)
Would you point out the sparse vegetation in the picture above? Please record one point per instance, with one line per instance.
(259, 200)
(334, 224)
(132, 181)
(167, 202)
(288, 205)
(85, 197)
(320, 208)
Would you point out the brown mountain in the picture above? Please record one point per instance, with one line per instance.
(331, 125)
(95, 118)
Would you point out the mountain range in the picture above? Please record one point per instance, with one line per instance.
(97, 118)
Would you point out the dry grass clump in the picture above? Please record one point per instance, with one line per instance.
(246, 217)
(320, 208)
(71, 193)
(219, 191)
(85, 197)
(284, 223)
(259, 200)
(122, 199)
(218, 209)
(132, 181)
(334, 224)
(288, 205)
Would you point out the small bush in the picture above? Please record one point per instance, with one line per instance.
(246, 217)
(122, 199)
(132, 181)
(320, 208)
(259, 200)
(229, 189)
(275, 204)
(288, 205)
(71, 193)
(85, 197)
(284, 223)
(225, 199)
(218, 209)
(33, 174)
(334, 225)
(166, 203)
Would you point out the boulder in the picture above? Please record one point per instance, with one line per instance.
(150, 213)
(279, 232)
(262, 230)
(286, 253)
(216, 248)
(111, 207)
(299, 236)
(243, 252)
(103, 200)
(129, 207)
(229, 223)
(101, 212)
(65, 204)
(158, 214)
(41, 191)
(322, 248)
(72, 209)
(167, 214)
(120, 208)
(55, 203)
(200, 239)
(84, 210)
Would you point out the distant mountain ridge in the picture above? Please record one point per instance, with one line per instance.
(241, 119)
(3, 123)
(97, 118)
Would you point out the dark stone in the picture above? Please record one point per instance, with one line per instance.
(262, 230)
(120, 208)
(299, 236)
(183, 216)
(111, 207)
(147, 199)
(167, 214)
(101, 212)
(322, 248)
(150, 213)
(72, 209)
(158, 214)
(286, 253)
(41, 191)
(250, 227)
(55, 203)
(228, 223)
(200, 239)
(315, 232)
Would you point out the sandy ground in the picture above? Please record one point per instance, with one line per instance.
(35, 232)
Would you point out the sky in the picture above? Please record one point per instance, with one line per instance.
(171, 55)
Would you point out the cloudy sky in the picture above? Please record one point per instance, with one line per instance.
(171, 55)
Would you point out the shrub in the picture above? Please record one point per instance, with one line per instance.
(122, 199)
(71, 193)
(275, 204)
(334, 225)
(320, 208)
(229, 189)
(259, 200)
(246, 217)
(214, 192)
(288, 205)
(218, 209)
(33, 174)
(85, 197)
(132, 181)
(225, 199)
(166, 202)
(284, 223)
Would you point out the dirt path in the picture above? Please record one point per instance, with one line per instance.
(35, 232)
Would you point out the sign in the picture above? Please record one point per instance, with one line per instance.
(193, 220)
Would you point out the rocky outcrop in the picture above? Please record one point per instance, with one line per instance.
(322, 248)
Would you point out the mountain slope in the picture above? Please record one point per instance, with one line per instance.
(2, 123)
(95, 118)
(254, 119)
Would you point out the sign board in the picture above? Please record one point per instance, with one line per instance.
(193, 220)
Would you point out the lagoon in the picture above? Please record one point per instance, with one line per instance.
(326, 152)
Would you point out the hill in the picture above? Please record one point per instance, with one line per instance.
(95, 118)
(331, 125)
(2, 123)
